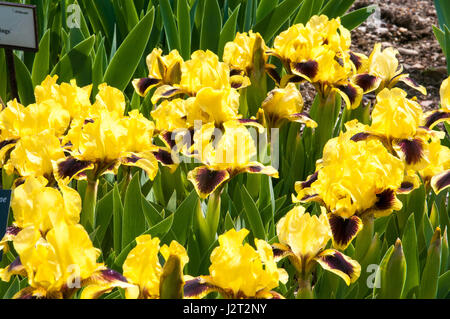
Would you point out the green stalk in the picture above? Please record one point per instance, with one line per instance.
(325, 115)
(213, 214)
(89, 204)
(304, 289)
(365, 237)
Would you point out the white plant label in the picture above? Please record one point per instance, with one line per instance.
(18, 26)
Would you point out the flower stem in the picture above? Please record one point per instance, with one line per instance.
(89, 204)
(304, 289)
(213, 213)
(364, 238)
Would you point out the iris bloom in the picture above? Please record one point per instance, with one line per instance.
(381, 70)
(108, 139)
(319, 53)
(163, 70)
(35, 205)
(396, 121)
(17, 121)
(238, 270)
(34, 155)
(303, 238)
(240, 54)
(143, 270)
(432, 118)
(74, 99)
(224, 156)
(437, 173)
(354, 179)
(202, 71)
(283, 105)
(58, 264)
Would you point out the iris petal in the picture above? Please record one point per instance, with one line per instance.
(303, 118)
(340, 264)
(206, 180)
(367, 82)
(412, 151)
(69, 167)
(308, 69)
(198, 288)
(352, 95)
(344, 230)
(165, 92)
(103, 281)
(441, 181)
(142, 86)
(387, 201)
(435, 117)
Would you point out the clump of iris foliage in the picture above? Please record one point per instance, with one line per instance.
(167, 152)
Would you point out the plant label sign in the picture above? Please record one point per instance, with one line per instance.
(5, 200)
(18, 26)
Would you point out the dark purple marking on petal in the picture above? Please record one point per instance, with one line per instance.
(145, 83)
(360, 137)
(436, 117)
(13, 230)
(236, 84)
(344, 229)
(311, 180)
(272, 72)
(87, 121)
(133, 159)
(167, 138)
(337, 261)
(164, 157)
(170, 92)
(195, 287)
(413, 150)
(235, 72)
(412, 81)
(356, 60)
(406, 187)
(443, 181)
(350, 91)
(385, 200)
(339, 60)
(365, 81)
(112, 275)
(15, 264)
(245, 121)
(7, 142)
(19, 181)
(307, 197)
(207, 180)
(309, 68)
(295, 79)
(254, 169)
(71, 167)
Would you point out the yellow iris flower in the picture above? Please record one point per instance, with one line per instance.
(432, 118)
(35, 205)
(303, 238)
(203, 70)
(382, 70)
(319, 53)
(162, 70)
(356, 177)
(34, 155)
(56, 265)
(225, 154)
(108, 139)
(282, 105)
(238, 270)
(240, 53)
(142, 269)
